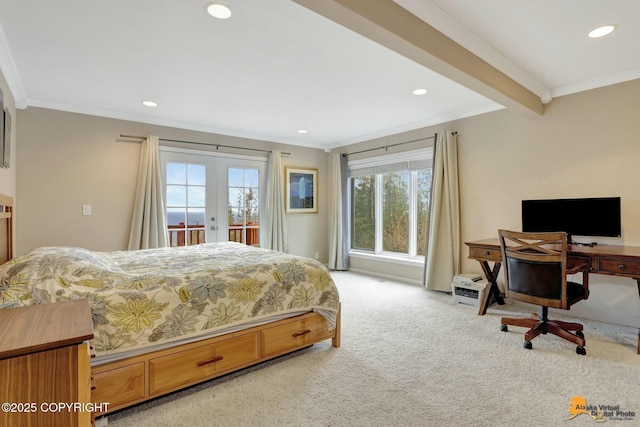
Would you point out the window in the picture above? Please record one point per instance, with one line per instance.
(395, 211)
(390, 203)
(363, 215)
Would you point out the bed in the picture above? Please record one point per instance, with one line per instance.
(168, 318)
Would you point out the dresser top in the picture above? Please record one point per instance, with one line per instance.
(41, 327)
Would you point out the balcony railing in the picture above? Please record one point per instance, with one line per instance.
(187, 235)
(252, 234)
(181, 235)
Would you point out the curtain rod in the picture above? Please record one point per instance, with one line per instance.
(141, 138)
(391, 145)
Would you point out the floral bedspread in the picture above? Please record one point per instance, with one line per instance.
(140, 298)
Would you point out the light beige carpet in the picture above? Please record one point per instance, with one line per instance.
(409, 357)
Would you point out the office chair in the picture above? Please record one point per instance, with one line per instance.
(536, 268)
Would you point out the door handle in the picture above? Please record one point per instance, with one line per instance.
(214, 228)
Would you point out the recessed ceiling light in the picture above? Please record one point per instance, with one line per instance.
(150, 103)
(601, 31)
(302, 131)
(419, 91)
(218, 10)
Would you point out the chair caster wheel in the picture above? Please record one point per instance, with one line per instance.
(579, 334)
(580, 350)
(528, 345)
(504, 328)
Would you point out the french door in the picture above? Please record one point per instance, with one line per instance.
(212, 198)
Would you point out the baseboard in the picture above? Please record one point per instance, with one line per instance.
(606, 316)
(386, 276)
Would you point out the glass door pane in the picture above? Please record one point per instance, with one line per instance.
(243, 205)
(186, 203)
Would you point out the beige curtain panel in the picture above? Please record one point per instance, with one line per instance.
(338, 232)
(276, 228)
(443, 247)
(148, 225)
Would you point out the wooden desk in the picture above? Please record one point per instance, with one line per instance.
(622, 261)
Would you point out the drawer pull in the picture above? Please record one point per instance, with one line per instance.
(299, 334)
(622, 267)
(487, 253)
(207, 362)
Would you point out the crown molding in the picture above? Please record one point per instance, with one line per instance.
(596, 83)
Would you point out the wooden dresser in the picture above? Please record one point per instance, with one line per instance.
(45, 365)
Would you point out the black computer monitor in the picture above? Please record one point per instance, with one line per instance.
(597, 216)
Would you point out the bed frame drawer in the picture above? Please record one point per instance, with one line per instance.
(197, 364)
(142, 377)
(118, 386)
(291, 335)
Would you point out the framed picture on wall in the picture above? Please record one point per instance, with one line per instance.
(301, 190)
(6, 155)
(3, 143)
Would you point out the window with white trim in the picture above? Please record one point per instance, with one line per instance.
(390, 198)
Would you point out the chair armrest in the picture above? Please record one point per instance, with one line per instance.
(577, 268)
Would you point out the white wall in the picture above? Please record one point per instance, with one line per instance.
(585, 145)
(66, 160)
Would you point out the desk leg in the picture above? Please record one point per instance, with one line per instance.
(492, 275)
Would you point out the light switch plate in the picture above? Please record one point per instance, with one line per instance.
(86, 210)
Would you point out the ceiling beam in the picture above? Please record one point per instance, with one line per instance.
(392, 26)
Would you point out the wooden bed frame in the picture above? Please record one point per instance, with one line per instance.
(136, 379)
(6, 228)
